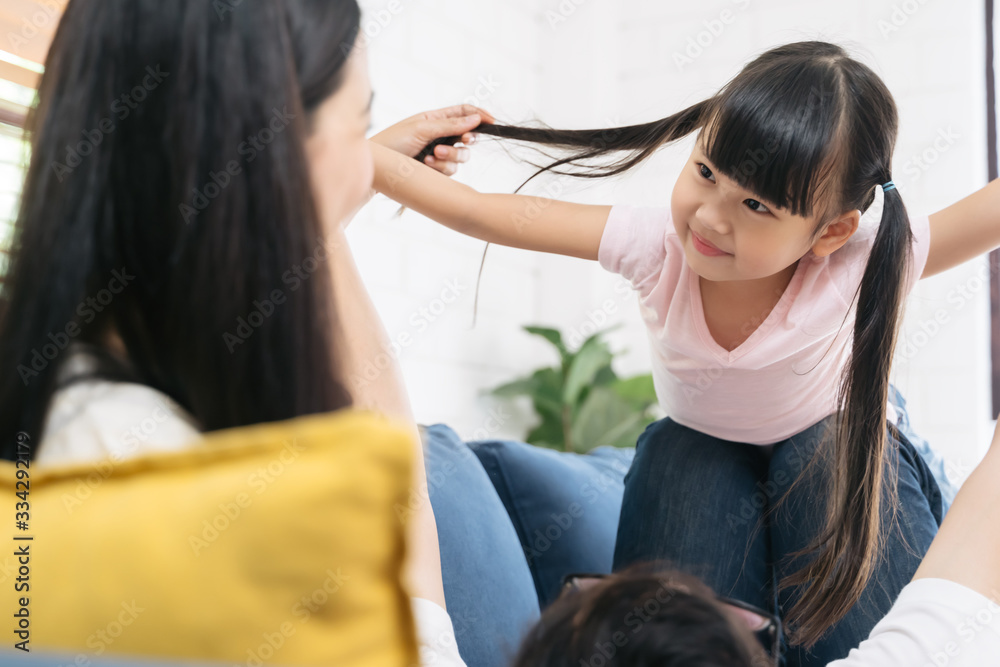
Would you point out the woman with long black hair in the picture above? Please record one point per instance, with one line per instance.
(179, 257)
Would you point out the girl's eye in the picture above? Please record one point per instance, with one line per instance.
(753, 204)
(705, 172)
(760, 208)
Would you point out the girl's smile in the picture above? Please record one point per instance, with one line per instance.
(703, 246)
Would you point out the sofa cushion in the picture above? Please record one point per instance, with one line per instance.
(270, 544)
(564, 506)
(488, 587)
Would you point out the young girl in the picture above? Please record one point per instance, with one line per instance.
(758, 278)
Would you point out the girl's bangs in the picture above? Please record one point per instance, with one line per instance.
(774, 139)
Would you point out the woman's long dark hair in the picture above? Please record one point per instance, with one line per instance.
(168, 196)
(811, 130)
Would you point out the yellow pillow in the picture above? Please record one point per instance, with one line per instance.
(274, 544)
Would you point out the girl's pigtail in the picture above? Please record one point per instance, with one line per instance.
(848, 546)
(639, 142)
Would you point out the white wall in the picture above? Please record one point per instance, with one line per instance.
(598, 63)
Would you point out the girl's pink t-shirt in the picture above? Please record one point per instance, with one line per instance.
(785, 376)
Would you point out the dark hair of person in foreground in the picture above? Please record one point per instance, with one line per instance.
(123, 237)
(644, 615)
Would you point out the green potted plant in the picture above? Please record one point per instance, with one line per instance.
(582, 403)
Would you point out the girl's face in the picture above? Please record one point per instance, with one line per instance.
(730, 234)
(341, 166)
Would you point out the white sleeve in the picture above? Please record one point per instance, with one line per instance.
(435, 635)
(934, 623)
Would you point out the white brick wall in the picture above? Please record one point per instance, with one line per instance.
(597, 63)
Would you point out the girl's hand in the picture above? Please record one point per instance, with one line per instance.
(412, 135)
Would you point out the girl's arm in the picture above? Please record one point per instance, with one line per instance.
(968, 228)
(520, 221)
(966, 549)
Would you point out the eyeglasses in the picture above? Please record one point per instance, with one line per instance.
(765, 626)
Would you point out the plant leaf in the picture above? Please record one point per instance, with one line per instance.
(592, 356)
(551, 335)
(605, 376)
(628, 436)
(638, 390)
(544, 387)
(606, 419)
(547, 392)
(602, 409)
(549, 433)
(519, 387)
(600, 334)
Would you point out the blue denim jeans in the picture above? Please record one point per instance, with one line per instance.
(488, 587)
(937, 464)
(699, 503)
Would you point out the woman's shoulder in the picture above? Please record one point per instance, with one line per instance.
(92, 419)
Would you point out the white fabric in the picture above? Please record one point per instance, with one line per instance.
(97, 421)
(100, 422)
(435, 634)
(934, 623)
